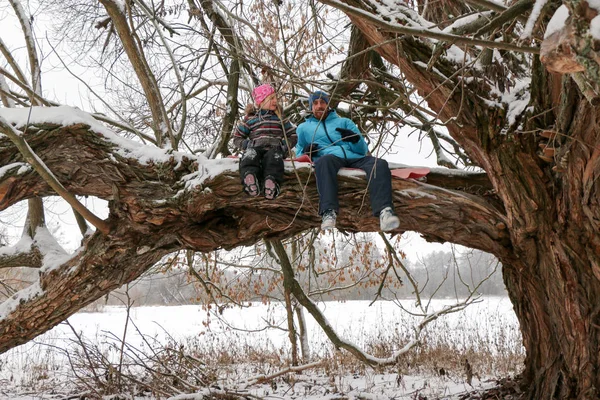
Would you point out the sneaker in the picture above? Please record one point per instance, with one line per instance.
(328, 222)
(271, 189)
(388, 221)
(251, 185)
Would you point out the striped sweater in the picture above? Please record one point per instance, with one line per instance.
(263, 128)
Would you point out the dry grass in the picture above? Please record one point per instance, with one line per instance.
(105, 366)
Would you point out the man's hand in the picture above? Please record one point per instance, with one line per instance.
(348, 135)
(311, 149)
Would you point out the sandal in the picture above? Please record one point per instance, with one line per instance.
(271, 189)
(250, 185)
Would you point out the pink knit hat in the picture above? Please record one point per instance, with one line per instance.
(260, 93)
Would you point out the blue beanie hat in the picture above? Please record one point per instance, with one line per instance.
(319, 94)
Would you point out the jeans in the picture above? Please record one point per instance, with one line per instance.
(379, 181)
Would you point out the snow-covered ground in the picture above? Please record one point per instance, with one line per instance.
(491, 323)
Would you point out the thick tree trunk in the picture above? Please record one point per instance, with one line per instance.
(559, 323)
(559, 318)
(553, 278)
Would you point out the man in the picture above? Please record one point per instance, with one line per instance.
(334, 142)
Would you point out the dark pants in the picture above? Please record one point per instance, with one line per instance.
(263, 162)
(379, 181)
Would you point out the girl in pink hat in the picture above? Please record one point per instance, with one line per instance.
(262, 136)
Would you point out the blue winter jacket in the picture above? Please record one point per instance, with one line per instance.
(329, 140)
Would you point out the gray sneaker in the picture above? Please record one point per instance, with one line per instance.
(388, 221)
(328, 222)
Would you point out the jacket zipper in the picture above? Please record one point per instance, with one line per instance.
(328, 137)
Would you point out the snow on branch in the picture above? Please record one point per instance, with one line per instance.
(43, 251)
(23, 296)
(425, 32)
(533, 17)
(5, 96)
(16, 137)
(21, 254)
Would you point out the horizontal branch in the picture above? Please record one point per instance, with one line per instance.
(151, 193)
(293, 369)
(178, 202)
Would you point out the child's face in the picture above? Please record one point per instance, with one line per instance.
(270, 103)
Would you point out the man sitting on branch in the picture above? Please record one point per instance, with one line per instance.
(334, 142)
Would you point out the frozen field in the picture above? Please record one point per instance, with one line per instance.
(490, 323)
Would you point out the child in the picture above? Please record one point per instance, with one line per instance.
(261, 135)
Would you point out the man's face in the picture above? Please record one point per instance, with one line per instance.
(319, 108)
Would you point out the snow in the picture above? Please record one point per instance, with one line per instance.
(425, 67)
(356, 321)
(416, 194)
(22, 246)
(595, 4)
(54, 254)
(53, 257)
(457, 55)
(27, 294)
(517, 100)
(533, 17)
(442, 158)
(466, 20)
(65, 116)
(407, 15)
(23, 168)
(121, 5)
(595, 22)
(557, 22)
(212, 168)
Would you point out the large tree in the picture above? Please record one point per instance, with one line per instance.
(530, 122)
(473, 69)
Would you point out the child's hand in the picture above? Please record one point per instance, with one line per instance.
(284, 148)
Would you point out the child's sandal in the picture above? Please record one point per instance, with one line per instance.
(251, 185)
(271, 189)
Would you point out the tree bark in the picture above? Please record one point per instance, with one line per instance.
(555, 281)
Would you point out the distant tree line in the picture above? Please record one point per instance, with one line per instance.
(440, 274)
